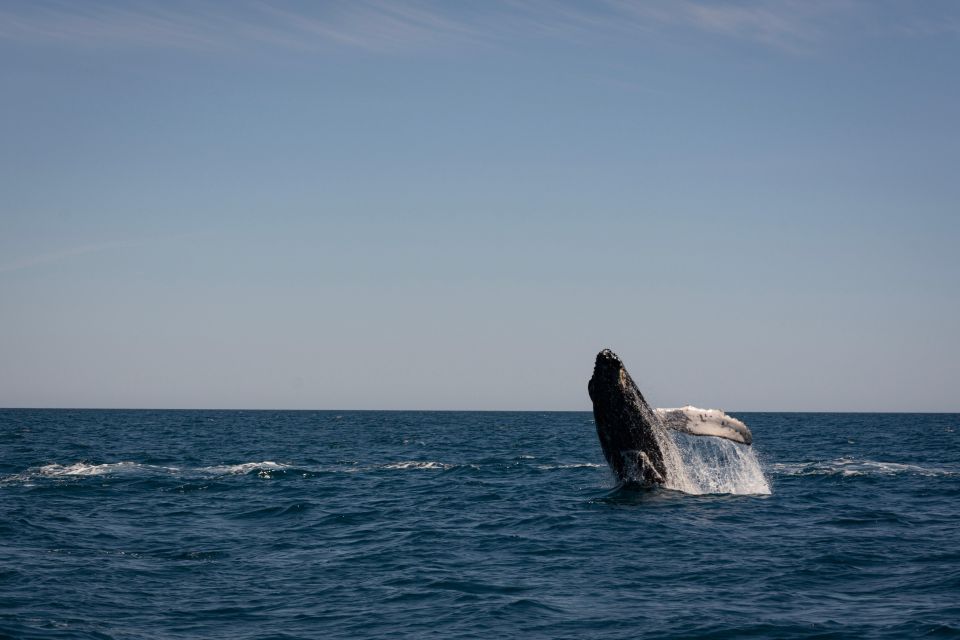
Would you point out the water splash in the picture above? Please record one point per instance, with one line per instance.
(700, 465)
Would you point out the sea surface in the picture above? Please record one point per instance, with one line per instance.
(321, 524)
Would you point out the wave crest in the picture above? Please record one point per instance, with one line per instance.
(85, 469)
(572, 465)
(244, 468)
(848, 467)
(417, 464)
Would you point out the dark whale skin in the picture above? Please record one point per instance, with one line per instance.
(630, 432)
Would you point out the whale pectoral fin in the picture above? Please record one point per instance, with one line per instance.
(705, 422)
(638, 468)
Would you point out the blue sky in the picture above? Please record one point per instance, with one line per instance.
(455, 205)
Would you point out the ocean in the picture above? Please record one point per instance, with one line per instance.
(344, 524)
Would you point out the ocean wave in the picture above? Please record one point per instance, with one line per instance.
(83, 469)
(77, 470)
(848, 467)
(262, 469)
(416, 464)
(244, 468)
(571, 465)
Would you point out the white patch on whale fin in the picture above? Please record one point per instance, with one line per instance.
(638, 468)
(705, 422)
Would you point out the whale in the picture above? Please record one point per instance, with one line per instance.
(635, 437)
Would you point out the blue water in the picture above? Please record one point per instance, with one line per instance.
(238, 524)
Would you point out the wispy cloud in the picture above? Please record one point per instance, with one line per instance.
(369, 25)
(61, 255)
(67, 254)
(382, 26)
(791, 26)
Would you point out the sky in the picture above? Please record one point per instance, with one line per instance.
(446, 205)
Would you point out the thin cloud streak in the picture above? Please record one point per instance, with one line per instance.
(63, 255)
(383, 27)
(785, 26)
(372, 26)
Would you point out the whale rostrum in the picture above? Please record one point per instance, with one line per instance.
(634, 437)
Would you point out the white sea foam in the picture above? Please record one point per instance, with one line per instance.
(701, 465)
(571, 465)
(125, 467)
(85, 469)
(416, 464)
(244, 468)
(848, 467)
(262, 468)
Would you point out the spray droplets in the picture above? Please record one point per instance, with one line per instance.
(701, 465)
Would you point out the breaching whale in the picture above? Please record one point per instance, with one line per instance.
(634, 436)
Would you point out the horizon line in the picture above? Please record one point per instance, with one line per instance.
(806, 411)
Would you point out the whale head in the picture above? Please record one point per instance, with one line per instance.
(608, 372)
(630, 432)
